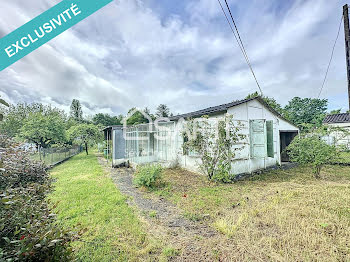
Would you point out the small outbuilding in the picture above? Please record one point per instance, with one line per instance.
(340, 136)
(266, 132)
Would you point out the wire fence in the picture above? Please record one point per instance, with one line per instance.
(53, 156)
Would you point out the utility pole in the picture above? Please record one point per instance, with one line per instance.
(347, 42)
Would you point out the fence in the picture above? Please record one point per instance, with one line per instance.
(53, 156)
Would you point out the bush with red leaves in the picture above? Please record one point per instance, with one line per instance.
(28, 231)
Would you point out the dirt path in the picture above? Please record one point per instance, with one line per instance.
(195, 240)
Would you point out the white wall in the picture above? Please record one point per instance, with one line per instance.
(243, 163)
(337, 137)
(172, 152)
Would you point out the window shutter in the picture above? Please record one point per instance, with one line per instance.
(257, 138)
(269, 138)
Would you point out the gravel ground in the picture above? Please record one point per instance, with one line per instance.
(190, 237)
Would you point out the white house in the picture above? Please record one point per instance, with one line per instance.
(267, 134)
(341, 122)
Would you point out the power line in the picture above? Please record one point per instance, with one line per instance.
(330, 60)
(239, 41)
(228, 21)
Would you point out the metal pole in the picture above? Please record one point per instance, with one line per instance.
(148, 144)
(347, 42)
(137, 142)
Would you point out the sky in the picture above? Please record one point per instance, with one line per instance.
(142, 53)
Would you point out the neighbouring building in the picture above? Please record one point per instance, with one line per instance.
(340, 137)
(267, 134)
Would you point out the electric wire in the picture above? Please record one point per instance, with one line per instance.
(228, 21)
(330, 60)
(239, 41)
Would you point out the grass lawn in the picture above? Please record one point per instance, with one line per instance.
(345, 158)
(277, 216)
(86, 199)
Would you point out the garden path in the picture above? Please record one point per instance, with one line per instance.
(165, 220)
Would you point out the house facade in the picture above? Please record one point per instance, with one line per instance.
(340, 137)
(266, 136)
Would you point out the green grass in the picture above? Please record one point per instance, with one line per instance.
(153, 213)
(276, 216)
(282, 215)
(170, 252)
(345, 158)
(86, 199)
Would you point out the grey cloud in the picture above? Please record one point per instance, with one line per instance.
(127, 55)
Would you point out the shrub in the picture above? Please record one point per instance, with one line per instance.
(28, 231)
(223, 173)
(19, 169)
(312, 151)
(148, 175)
(27, 227)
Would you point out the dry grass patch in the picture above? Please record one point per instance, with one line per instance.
(279, 216)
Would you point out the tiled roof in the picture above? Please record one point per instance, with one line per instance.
(223, 108)
(211, 110)
(337, 118)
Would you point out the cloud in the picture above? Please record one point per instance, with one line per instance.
(142, 53)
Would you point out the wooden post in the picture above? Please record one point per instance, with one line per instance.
(347, 42)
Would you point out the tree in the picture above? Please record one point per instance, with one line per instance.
(107, 120)
(76, 111)
(214, 143)
(3, 102)
(44, 128)
(85, 134)
(270, 101)
(148, 112)
(334, 112)
(312, 151)
(16, 115)
(163, 111)
(136, 118)
(303, 111)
